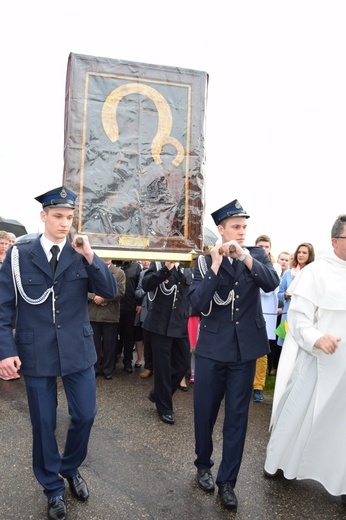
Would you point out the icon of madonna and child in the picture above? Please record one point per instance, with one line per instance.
(136, 179)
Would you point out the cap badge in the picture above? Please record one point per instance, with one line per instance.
(63, 193)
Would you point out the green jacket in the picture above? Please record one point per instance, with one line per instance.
(109, 311)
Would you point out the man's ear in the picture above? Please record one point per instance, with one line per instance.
(43, 216)
(220, 229)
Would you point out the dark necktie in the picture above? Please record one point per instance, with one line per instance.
(54, 260)
(235, 263)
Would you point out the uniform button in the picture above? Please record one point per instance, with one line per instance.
(56, 297)
(237, 309)
(237, 295)
(59, 327)
(236, 283)
(78, 275)
(209, 277)
(237, 322)
(57, 312)
(55, 283)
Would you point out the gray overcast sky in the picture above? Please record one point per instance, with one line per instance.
(276, 110)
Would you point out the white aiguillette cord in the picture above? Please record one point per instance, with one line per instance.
(166, 292)
(17, 282)
(202, 264)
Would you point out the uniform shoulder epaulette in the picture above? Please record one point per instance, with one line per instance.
(26, 239)
(23, 242)
(251, 248)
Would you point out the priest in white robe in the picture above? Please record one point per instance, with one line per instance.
(308, 424)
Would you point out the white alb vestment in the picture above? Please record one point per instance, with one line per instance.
(308, 437)
(269, 302)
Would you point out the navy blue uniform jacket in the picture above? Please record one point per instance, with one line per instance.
(167, 314)
(46, 348)
(244, 337)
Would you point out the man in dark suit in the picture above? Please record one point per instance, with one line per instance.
(128, 306)
(166, 322)
(104, 318)
(53, 337)
(142, 298)
(226, 291)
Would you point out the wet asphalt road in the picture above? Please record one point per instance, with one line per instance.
(140, 468)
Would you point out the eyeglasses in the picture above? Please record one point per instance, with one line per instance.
(339, 237)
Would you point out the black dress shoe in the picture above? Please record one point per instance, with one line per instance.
(183, 388)
(151, 397)
(129, 370)
(278, 473)
(167, 418)
(227, 495)
(57, 508)
(78, 487)
(107, 376)
(205, 479)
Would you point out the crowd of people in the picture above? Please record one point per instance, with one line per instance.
(226, 325)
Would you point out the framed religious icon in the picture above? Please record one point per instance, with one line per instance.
(134, 153)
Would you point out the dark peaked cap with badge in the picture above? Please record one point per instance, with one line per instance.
(232, 209)
(60, 197)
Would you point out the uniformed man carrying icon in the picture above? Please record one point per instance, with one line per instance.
(53, 337)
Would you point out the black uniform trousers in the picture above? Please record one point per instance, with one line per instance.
(80, 391)
(148, 352)
(105, 339)
(127, 339)
(215, 380)
(171, 359)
